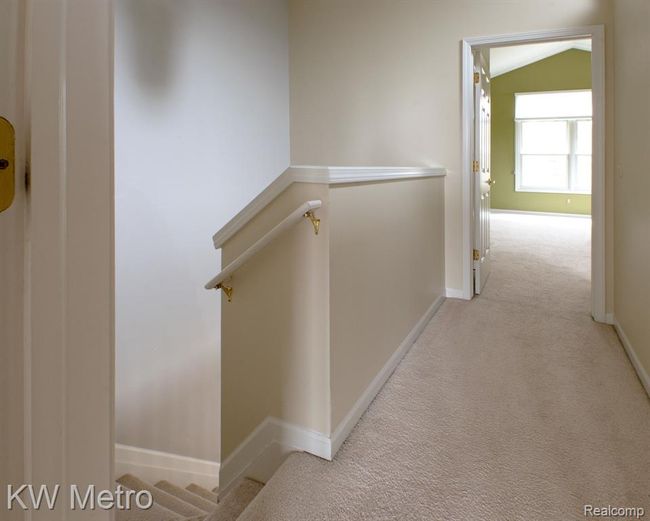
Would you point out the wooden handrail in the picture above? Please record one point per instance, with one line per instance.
(305, 210)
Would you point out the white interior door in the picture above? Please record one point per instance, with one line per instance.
(481, 169)
(12, 251)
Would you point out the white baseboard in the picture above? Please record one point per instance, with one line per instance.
(351, 419)
(153, 466)
(631, 353)
(264, 450)
(528, 212)
(454, 293)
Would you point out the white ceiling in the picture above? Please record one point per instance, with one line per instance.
(506, 59)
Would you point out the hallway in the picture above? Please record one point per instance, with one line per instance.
(514, 405)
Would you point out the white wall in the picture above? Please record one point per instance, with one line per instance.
(328, 310)
(279, 367)
(632, 211)
(378, 82)
(201, 126)
(387, 268)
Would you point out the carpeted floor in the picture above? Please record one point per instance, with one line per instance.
(512, 406)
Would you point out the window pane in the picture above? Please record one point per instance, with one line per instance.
(566, 104)
(583, 175)
(545, 172)
(544, 137)
(584, 137)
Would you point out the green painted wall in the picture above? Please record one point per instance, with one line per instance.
(565, 71)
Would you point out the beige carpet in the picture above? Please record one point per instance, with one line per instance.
(204, 493)
(194, 503)
(155, 513)
(187, 496)
(181, 508)
(235, 501)
(513, 406)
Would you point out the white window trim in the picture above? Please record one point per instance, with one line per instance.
(572, 158)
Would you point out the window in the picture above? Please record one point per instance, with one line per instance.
(553, 142)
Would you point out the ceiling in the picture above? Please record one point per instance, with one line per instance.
(506, 59)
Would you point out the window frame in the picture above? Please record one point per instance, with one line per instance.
(572, 156)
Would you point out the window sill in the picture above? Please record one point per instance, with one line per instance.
(542, 191)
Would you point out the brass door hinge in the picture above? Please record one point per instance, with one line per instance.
(475, 166)
(476, 255)
(477, 78)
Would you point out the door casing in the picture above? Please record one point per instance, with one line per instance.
(597, 35)
(62, 416)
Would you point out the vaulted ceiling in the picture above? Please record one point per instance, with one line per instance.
(506, 59)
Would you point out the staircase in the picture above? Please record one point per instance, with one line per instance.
(193, 503)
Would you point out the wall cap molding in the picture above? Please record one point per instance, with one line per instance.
(328, 175)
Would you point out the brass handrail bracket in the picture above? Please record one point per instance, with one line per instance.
(226, 289)
(315, 221)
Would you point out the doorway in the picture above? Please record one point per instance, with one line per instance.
(476, 225)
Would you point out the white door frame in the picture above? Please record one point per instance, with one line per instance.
(597, 35)
(12, 260)
(69, 287)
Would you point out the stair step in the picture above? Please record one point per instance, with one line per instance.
(203, 492)
(187, 496)
(155, 513)
(236, 501)
(162, 498)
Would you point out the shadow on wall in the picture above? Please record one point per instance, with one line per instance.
(153, 33)
(188, 385)
(201, 126)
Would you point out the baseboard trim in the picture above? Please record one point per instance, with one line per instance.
(347, 424)
(153, 466)
(529, 212)
(264, 450)
(631, 353)
(454, 293)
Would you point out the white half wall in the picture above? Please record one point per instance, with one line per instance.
(201, 127)
(378, 82)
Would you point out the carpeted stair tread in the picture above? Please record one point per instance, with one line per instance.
(187, 496)
(162, 498)
(155, 513)
(203, 492)
(236, 501)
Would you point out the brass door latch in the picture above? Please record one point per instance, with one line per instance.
(7, 164)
